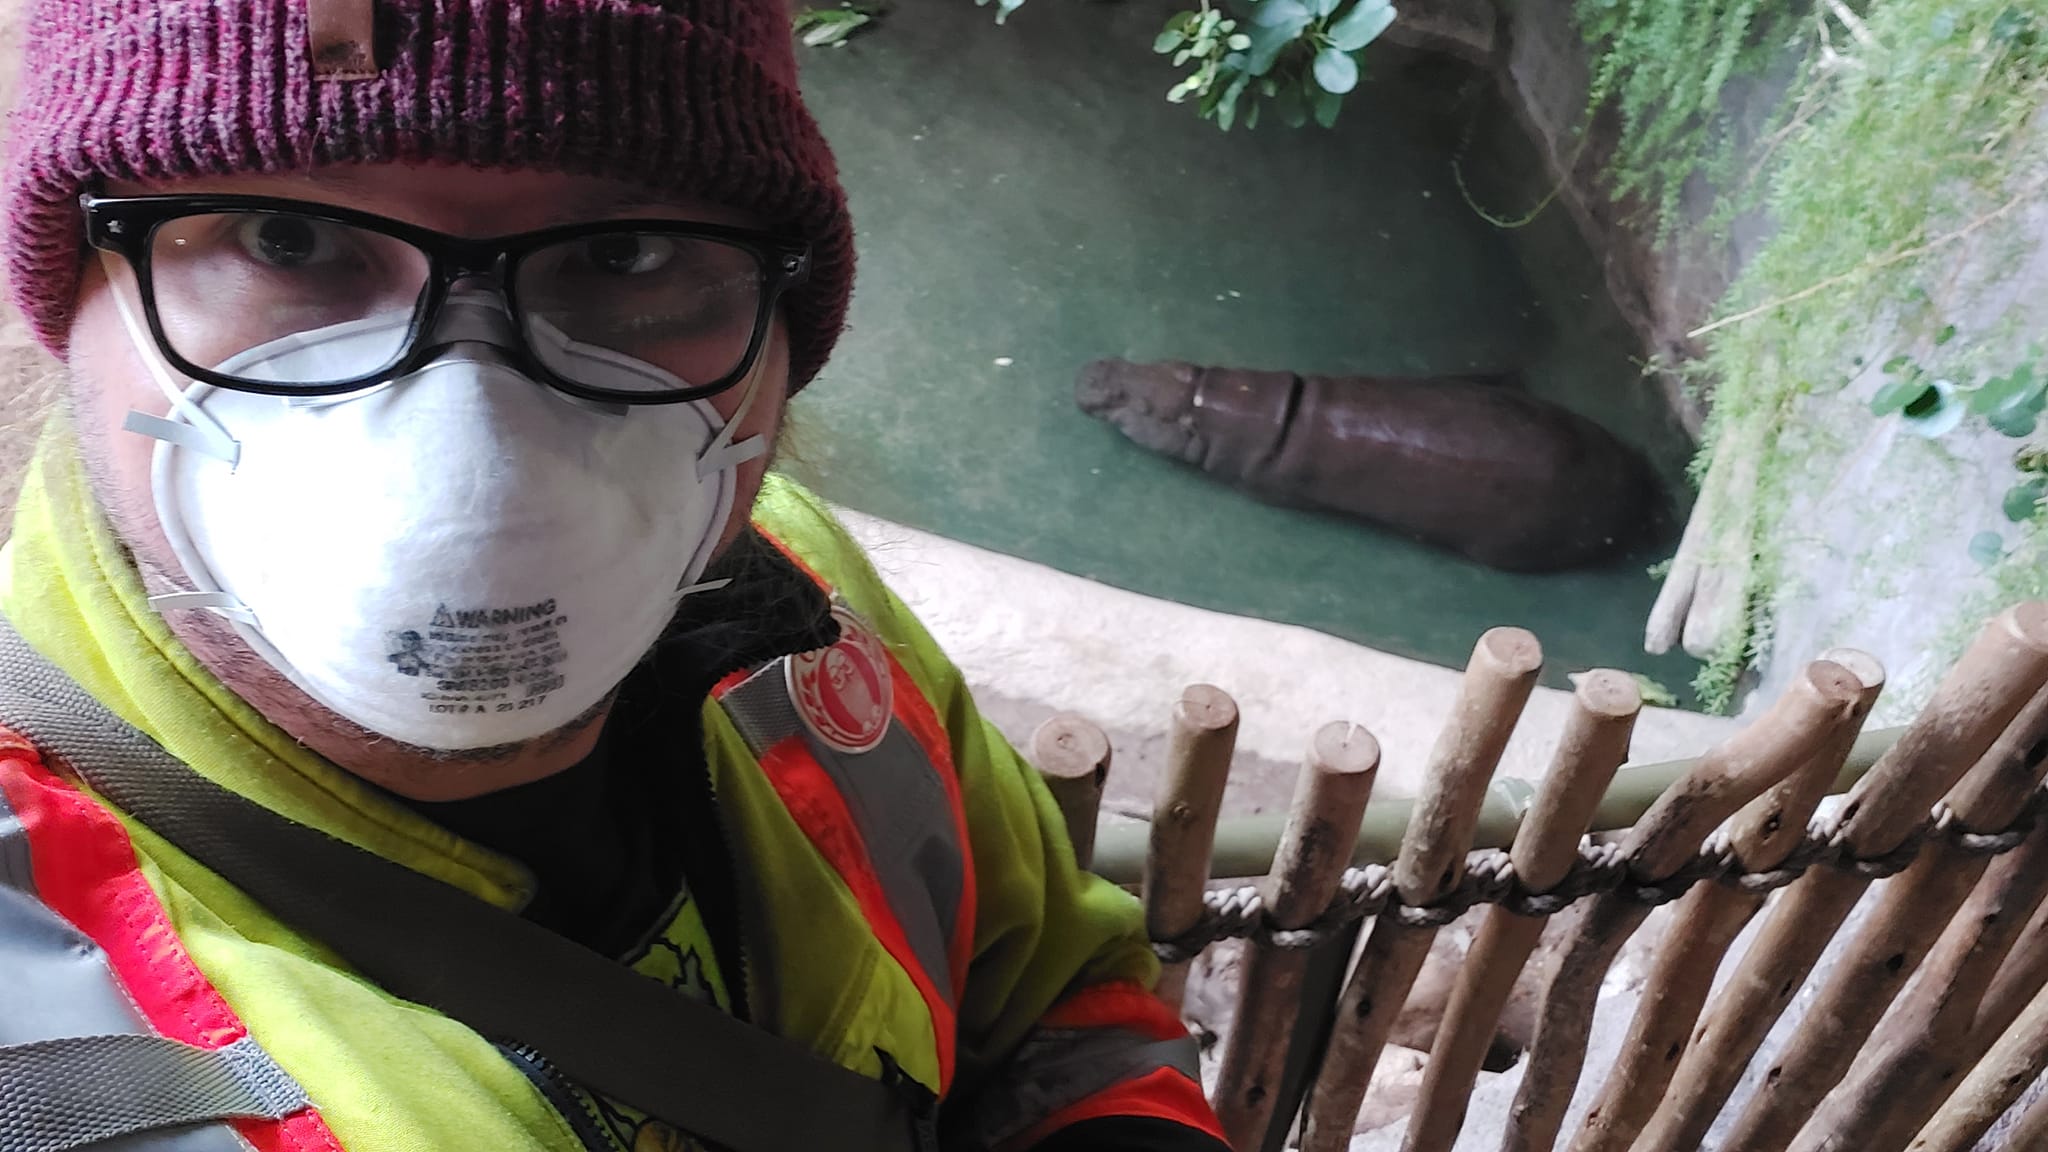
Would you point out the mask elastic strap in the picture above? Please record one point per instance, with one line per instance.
(198, 431)
(219, 603)
(724, 452)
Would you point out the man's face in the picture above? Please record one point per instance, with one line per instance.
(109, 377)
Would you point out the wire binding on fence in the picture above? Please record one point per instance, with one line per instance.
(1239, 912)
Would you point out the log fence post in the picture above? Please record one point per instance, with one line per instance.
(1595, 743)
(1330, 797)
(1183, 832)
(1073, 757)
(1972, 707)
(1497, 682)
(1811, 713)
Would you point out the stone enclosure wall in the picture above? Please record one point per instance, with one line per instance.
(1873, 547)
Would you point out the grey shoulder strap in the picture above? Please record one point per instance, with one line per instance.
(79, 1091)
(608, 1027)
(79, 1064)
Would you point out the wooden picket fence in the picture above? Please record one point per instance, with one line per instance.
(1941, 815)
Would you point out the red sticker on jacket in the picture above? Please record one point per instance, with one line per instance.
(843, 693)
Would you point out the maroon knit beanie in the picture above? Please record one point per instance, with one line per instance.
(696, 98)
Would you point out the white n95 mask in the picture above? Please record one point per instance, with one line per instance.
(459, 558)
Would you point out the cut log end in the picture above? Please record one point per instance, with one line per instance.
(2027, 622)
(1609, 694)
(1206, 708)
(1344, 749)
(1829, 685)
(1510, 652)
(1069, 747)
(1867, 669)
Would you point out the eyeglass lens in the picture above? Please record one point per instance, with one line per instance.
(234, 290)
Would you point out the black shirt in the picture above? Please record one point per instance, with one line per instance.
(613, 839)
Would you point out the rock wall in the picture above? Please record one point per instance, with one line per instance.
(1663, 290)
(1873, 550)
(1875, 545)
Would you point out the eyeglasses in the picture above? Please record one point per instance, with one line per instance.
(226, 278)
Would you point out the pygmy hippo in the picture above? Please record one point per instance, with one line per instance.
(1472, 464)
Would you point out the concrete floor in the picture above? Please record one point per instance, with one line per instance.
(1026, 202)
(1032, 641)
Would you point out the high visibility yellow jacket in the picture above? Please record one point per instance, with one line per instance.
(980, 984)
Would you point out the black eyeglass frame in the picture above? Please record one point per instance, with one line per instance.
(126, 226)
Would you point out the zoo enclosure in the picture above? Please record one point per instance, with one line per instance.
(1942, 815)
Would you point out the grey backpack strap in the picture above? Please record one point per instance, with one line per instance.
(75, 1091)
(79, 1064)
(609, 1028)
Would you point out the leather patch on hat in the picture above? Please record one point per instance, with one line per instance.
(343, 34)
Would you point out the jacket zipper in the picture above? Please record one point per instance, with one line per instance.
(574, 1106)
(739, 985)
(921, 1103)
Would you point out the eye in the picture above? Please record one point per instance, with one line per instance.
(628, 254)
(290, 241)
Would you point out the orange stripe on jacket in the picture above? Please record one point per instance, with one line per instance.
(1161, 1094)
(820, 810)
(86, 871)
(917, 715)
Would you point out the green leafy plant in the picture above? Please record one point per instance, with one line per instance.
(819, 27)
(1302, 55)
(1933, 406)
(1654, 692)
(2023, 500)
(1206, 39)
(2024, 504)
(2012, 404)
(1987, 548)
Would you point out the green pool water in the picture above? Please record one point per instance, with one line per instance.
(1026, 202)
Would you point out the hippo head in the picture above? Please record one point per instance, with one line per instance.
(1153, 404)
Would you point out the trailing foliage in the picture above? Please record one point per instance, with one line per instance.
(1905, 145)
(1664, 67)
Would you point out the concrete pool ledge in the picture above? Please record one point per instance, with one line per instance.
(1033, 641)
